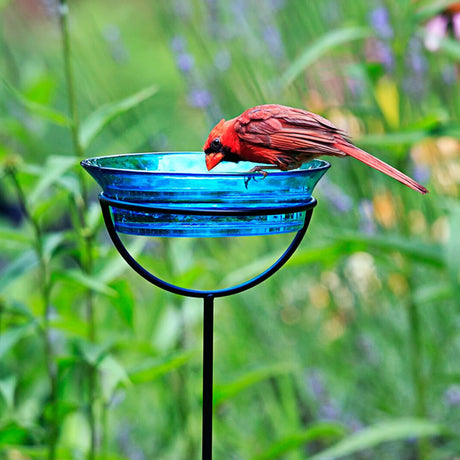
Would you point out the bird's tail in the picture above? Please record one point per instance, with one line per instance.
(380, 165)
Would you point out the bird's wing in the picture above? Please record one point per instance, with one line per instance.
(286, 129)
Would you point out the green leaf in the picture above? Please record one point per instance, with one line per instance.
(392, 139)
(4, 3)
(7, 390)
(325, 254)
(42, 111)
(316, 432)
(96, 121)
(116, 265)
(17, 308)
(368, 438)
(9, 235)
(52, 171)
(23, 264)
(452, 248)
(70, 325)
(93, 353)
(124, 302)
(450, 47)
(84, 280)
(112, 375)
(9, 338)
(51, 243)
(433, 293)
(323, 45)
(11, 433)
(154, 368)
(429, 254)
(432, 8)
(224, 392)
(250, 270)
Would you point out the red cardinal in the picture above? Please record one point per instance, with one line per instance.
(285, 138)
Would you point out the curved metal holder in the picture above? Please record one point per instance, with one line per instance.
(207, 295)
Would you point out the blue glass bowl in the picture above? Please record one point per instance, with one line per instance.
(180, 180)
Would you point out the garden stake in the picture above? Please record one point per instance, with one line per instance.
(208, 296)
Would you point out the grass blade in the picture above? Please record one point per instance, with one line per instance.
(416, 250)
(42, 111)
(152, 369)
(316, 432)
(223, 392)
(96, 121)
(9, 338)
(23, 264)
(371, 437)
(320, 47)
(78, 277)
(452, 248)
(55, 167)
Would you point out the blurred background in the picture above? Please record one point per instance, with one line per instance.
(351, 351)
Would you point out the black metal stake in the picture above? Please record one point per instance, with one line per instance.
(208, 360)
(207, 295)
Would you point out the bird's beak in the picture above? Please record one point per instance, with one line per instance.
(213, 159)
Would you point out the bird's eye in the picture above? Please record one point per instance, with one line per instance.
(215, 144)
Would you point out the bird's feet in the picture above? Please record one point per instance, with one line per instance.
(258, 169)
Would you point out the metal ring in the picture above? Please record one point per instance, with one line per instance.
(263, 211)
(107, 203)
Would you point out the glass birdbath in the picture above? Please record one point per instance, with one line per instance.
(171, 194)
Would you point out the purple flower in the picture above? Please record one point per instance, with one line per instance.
(239, 8)
(329, 411)
(414, 83)
(340, 200)
(273, 40)
(126, 444)
(199, 98)
(178, 44)
(316, 383)
(415, 58)
(385, 55)
(452, 396)
(118, 50)
(380, 21)
(367, 222)
(355, 86)
(185, 62)
(421, 173)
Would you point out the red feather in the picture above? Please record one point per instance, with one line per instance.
(287, 137)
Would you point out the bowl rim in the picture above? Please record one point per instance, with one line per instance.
(87, 164)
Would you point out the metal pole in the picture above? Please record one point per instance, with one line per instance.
(207, 296)
(208, 345)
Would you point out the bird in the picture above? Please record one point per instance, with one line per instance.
(284, 138)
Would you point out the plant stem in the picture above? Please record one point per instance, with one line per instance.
(71, 95)
(81, 205)
(46, 285)
(419, 381)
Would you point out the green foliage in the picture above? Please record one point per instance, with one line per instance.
(383, 432)
(351, 351)
(94, 123)
(315, 51)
